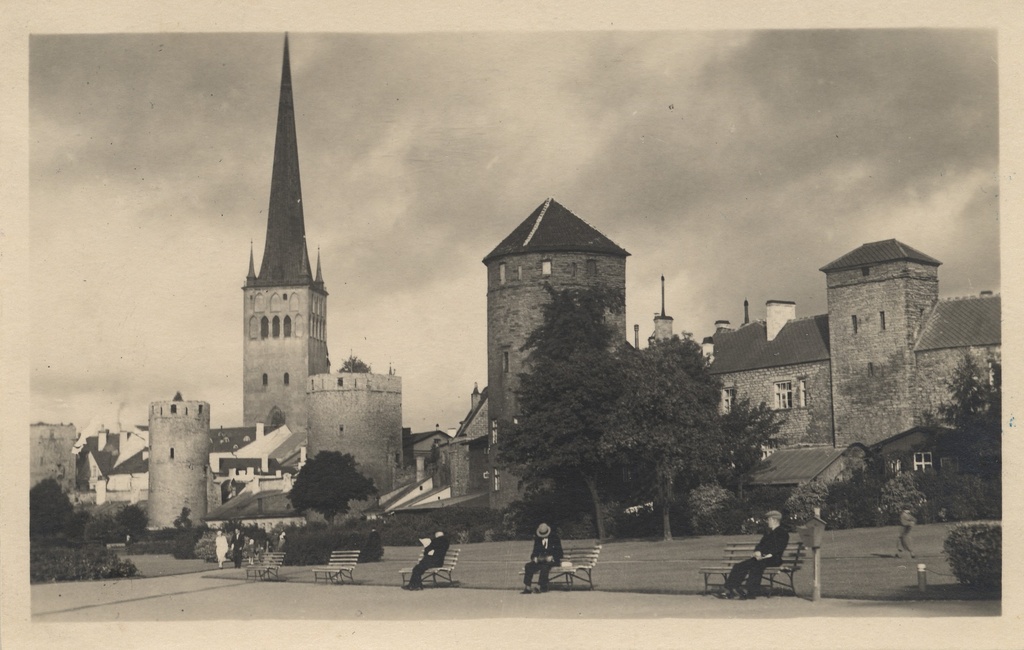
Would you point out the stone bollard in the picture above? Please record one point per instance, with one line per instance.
(922, 577)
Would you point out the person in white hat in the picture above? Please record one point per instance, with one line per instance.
(547, 552)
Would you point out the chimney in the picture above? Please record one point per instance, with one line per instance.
(722, 326)
(302, 455)
(779, 312)
(707, 348)
(746, 312)
(101, 439)
(986, 294)
(636, 336)
(662, 322)
(259, 430)
(474, 398)
(264, 464)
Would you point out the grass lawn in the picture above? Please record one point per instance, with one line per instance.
(855, 564)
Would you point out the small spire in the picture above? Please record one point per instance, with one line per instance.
(662, 296)
(746, 312)
(319, 276)
(252, 267)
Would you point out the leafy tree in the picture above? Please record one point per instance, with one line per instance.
(328, 482)
(745, 429)
(975, 412)
(568, 397)
(134, 520)
(354, 364)
(667, 420)
(182, 521)
(48, 508)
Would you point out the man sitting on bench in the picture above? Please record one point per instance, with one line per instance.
(547, 552)
(768, 552)
(433, 557)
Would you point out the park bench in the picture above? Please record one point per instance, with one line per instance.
(444, 572)
(267, 568)
(577, 564)
(792, 560)
(337, 568)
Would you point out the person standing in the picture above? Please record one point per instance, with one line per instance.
(237, 545)
(433, 556)
(768, 552)
(222, 548)
(280, 541)
(547, 552)
(907, 523)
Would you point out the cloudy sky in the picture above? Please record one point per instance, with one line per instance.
(736, 163)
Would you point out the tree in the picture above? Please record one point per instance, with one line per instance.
(567, 398)
(48, 508)
(328, 482)
(354, 364)
(134, 520)
(667, 420)
(182, 521)
(975, 412)
(745, 429)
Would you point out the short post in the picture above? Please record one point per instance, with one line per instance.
(812, 533)
(922, 577)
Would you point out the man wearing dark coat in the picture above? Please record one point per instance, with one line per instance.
(433, 556)
(768, 552)
(547, 552)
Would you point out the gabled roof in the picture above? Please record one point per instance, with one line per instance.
(246, 506)
(802, 340)
(551, 227)
(924, 431)
(794, 466)
(878, 252)
(226, 439)
(414, 438)
(481, 404)
(134, 465)
(962, 322)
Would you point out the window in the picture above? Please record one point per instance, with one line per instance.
(254, 327)
(286, 379)
(853, 319)
(265, 379)
(172, 453)
(871, 369)
(504, 361)
(728, 399)
(174, 409)
(922, 460)
(519, 273)
(865, 270)
(341, 381)
(200, 408)
(895, 465)
(545, 267)
(264, 327)
(881, 319)
(494, 432)
(573, 269)
(497, 480)
(277, 327)
(501, 273)
(783, 395)
(287, 326)
(284, 296)
(591, 267)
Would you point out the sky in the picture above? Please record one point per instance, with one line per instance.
(734, 163)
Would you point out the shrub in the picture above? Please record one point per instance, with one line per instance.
(60, 564)
(898, 493)
(975, 554)
(854, 503)
(959, 497)
(805, 498)
(308, 546)
(74, 526)
(153, 547)
(708, 507)
(185, 543)
(48, 508)
(134, 520)
(105, 529)
(206, 547)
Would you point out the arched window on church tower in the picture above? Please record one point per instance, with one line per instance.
(264, 327)
(287, 326)
(277, 327)
(293, 302)
(298, 327)
(254, 327)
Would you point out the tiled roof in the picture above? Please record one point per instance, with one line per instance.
(134, 465)
(225, 439)
(962, 322)
(246, 506)
(479, 408)
(794, 466)
(802, 340)
(877, 252)
(551, 227)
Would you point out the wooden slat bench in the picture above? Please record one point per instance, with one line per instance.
(443, 572)
(792, 560)
(577, 564)
(267, 568)
(338, 567)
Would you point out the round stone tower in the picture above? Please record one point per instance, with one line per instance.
(552, 247)
(179, 455)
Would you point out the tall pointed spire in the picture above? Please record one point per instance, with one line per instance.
(285, 259)
(249, 279)
(319, 278)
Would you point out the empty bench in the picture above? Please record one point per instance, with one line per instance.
(577, 564)
(267, 568)
(340, 566)
(777, 576)
(443, 572)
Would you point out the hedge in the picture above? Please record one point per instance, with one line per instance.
(975, 554)
(57, 564)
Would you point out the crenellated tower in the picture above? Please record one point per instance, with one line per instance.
(285, 305)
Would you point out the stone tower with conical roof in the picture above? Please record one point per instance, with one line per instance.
(285, 305)
(551, 247)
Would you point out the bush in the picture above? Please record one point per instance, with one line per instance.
(310, 546)
(134, 520)
(975, 554)
(48, 508)
(709, 508)
(105, 529)
(805, 498)
(206, 547)
(61, 564)
(898, 493)
(152, 547)
(185, 543)
(74, 526)
(854, 503)
(959, 497)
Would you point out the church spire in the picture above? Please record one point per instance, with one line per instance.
(319, 278)
(249, 279)
(285, 259)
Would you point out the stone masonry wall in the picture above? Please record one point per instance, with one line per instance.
(51, 455)
(935, 369)
(179, 458)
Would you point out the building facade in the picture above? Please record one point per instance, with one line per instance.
(553, 248)
(285, 304)
(179, 458)
(52, 454)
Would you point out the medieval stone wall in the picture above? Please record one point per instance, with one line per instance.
(179, 458)
(935, 370)
(51, 454)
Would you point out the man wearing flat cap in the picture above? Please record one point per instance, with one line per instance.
(547, 552)
(768, 552)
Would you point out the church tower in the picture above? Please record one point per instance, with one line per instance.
(285, 305)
